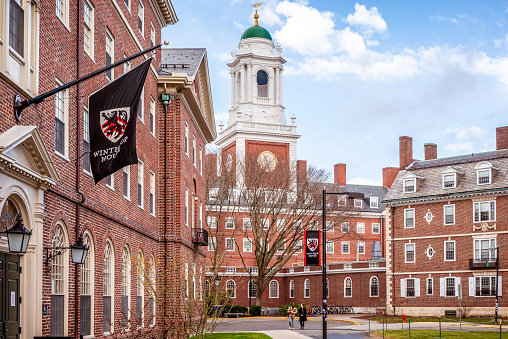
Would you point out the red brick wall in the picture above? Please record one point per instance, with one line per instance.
(430, 151)
(405, 151)
(339, 174)
(502, 138)
(389, 175)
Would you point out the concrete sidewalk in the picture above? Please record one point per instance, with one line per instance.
(284, 334)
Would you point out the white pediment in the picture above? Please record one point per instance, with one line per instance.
(486, 165)
(24, 155)
(412, 175)
(451, 170)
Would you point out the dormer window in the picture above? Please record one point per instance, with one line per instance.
(484, 173)
(358, 203)
(449, 180)
(341, 201)
(409, 185)
(373, 202)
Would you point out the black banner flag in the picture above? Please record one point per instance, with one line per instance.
(312, 245)
(113, 112)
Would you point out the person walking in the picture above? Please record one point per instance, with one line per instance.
(302, 313)
(292, 312)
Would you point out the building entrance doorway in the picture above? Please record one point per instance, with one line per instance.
(9, 296)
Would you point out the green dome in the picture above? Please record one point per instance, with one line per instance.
(256, 32)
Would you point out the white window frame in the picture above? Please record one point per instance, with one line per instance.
(360, 227)
(330, 246)
(141, 16)
(141, 184)
(212, 243)
(126, 65)
(370, 286)
(478, 241)
(152, 116)
(200, 160)
(230, 244)
(62, 114)
(186, 140)
(448, 207)
(141, 107)
(358, 203)
(140, 287)
(228, 284)
(454, 175)
(186, 219)
(374, 203)
(306, 288)
(489, 170)
(229, 221)
(348, 247)
(265, 223)
(247, 244)
(429, 282)
(152, 194)
(273, 287)
(492, 214)
(60, 269)
(108, 289)
(126, 281)
(454, 250)
(348, 266)
(346, 279)
(110, 49)
(62, 11)
(127, 170)
(299, 246)
(342, 200)
(212, 222)
(406, 252)
(281, 223)
(406, 210)
(360, 245)
(378, 228)
(88, 31)
(291, 289)
(406, 186)
(373, 264)
(343, 226)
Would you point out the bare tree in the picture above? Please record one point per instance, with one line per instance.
(278, 203)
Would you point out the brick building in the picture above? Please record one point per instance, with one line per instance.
(132, 220)
(258, 135)
(445, 218)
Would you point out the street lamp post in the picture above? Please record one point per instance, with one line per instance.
(250, 282)
(497, 280)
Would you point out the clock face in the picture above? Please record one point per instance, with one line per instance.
(267, 161)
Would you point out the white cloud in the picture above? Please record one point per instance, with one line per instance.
(462, 133)
(444, 19)
(365, 181)
(267, 14)
(461, 148)
(225, 56)
(221, 117)
(239, 26)
(224, 73)
(370, 43)
(367, 19)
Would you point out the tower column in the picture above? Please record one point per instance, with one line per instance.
(276, 87)
(249, 82)
(280, 87)
(243, 80)
(233, 88)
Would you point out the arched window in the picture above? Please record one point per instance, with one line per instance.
(374, 286)
(207, 288)
(194, 286)
(306, 288)
(140, 289)
(292, 288)
(274, 289)
(327, 288)
(59, 279)
(10, 211)
(126, 286)
(186, 277)
(87, 287)
(348, 287)
(262, 78)
(231, 288)
(108, 274)
(252, 289)
(151, 292)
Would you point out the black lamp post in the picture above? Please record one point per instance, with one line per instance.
(18, 236)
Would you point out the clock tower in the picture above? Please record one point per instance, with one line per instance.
(257, 125)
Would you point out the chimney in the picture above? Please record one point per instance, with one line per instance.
(389, 175)
(339, 174)
(502, 138)
(430, 151)
(405, 151)
(301, 171)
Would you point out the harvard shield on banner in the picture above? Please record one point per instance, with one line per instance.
(312, 248)
(113, 111)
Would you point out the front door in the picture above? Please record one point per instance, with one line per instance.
(9, 296)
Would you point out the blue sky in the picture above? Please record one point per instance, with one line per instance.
(361, 74)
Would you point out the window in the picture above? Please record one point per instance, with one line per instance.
(306, 269)
(485, 249)
(127, 4)
(327, 286)
(484, 211)
(348, 266)
(281, 223)
(246, 224)
(373, 202)
(186, 139)
(314, 225)
(186, 206)
(141, 106)
(297, 225)
(430, 286)
(62, 11)
(151, 292)
(212, 243)
(194, 150)
(373, 264)
(186, 279)
(330, 247)
(376, 228)
(449, 180)
(152, 115)
(274, 289)
(230, 244)
(262, 80)
(110, 54)
(360, 227)
(212, 193)
(140, 286)
(200, 214)
(306, 288)
(141, 18)
(108, 279)
(299, 246)
(361, 247)
(281, 248)
(247, 245)
(126, 287)
(374, 286)
(344, 227)
(200, 160)
(17, 27)
(152, 35)
(345, 247)
(450, 287)
(86, 141)
(449, 214)
(291, 288)
(251, 289)
(61, 120)
(212, 222)
(483, 176)
(59, 281)
(126, 182)
(484, 286)
(410, 252)
(449, 250)
(348, 287)
(152, 193)
(358, 203)
(110, 181)
(88, 41)
(231, 288)
(342, 200)
(409, 185)
(265, 223)
(291, 270)
(230, 223)
(409, 218)
(253, 270)
(126, 65)
(86, 287)
(140, 183)
(410, 288)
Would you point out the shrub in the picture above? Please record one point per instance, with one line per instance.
(284, 308)
(255, 310)
(238, 309)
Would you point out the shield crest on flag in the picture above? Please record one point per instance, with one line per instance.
(312, 244)
(114, 122)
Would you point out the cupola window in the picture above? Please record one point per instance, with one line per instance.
(262, 79)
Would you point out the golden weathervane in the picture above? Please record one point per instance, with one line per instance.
(256, 16)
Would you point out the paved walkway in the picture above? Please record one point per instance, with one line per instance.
(284, 334)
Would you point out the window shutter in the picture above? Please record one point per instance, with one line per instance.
(471, 286)
(402, 288)
(500, 286)
(457, 283)
(442, 291)
(417, 287)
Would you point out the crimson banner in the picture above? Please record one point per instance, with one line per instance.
(312, 243)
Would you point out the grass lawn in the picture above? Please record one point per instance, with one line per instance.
(398, 319)
(396, 334)
(238, 336)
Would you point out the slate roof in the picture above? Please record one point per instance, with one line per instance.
(181, 60)
(432, 184)
(367, 191)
